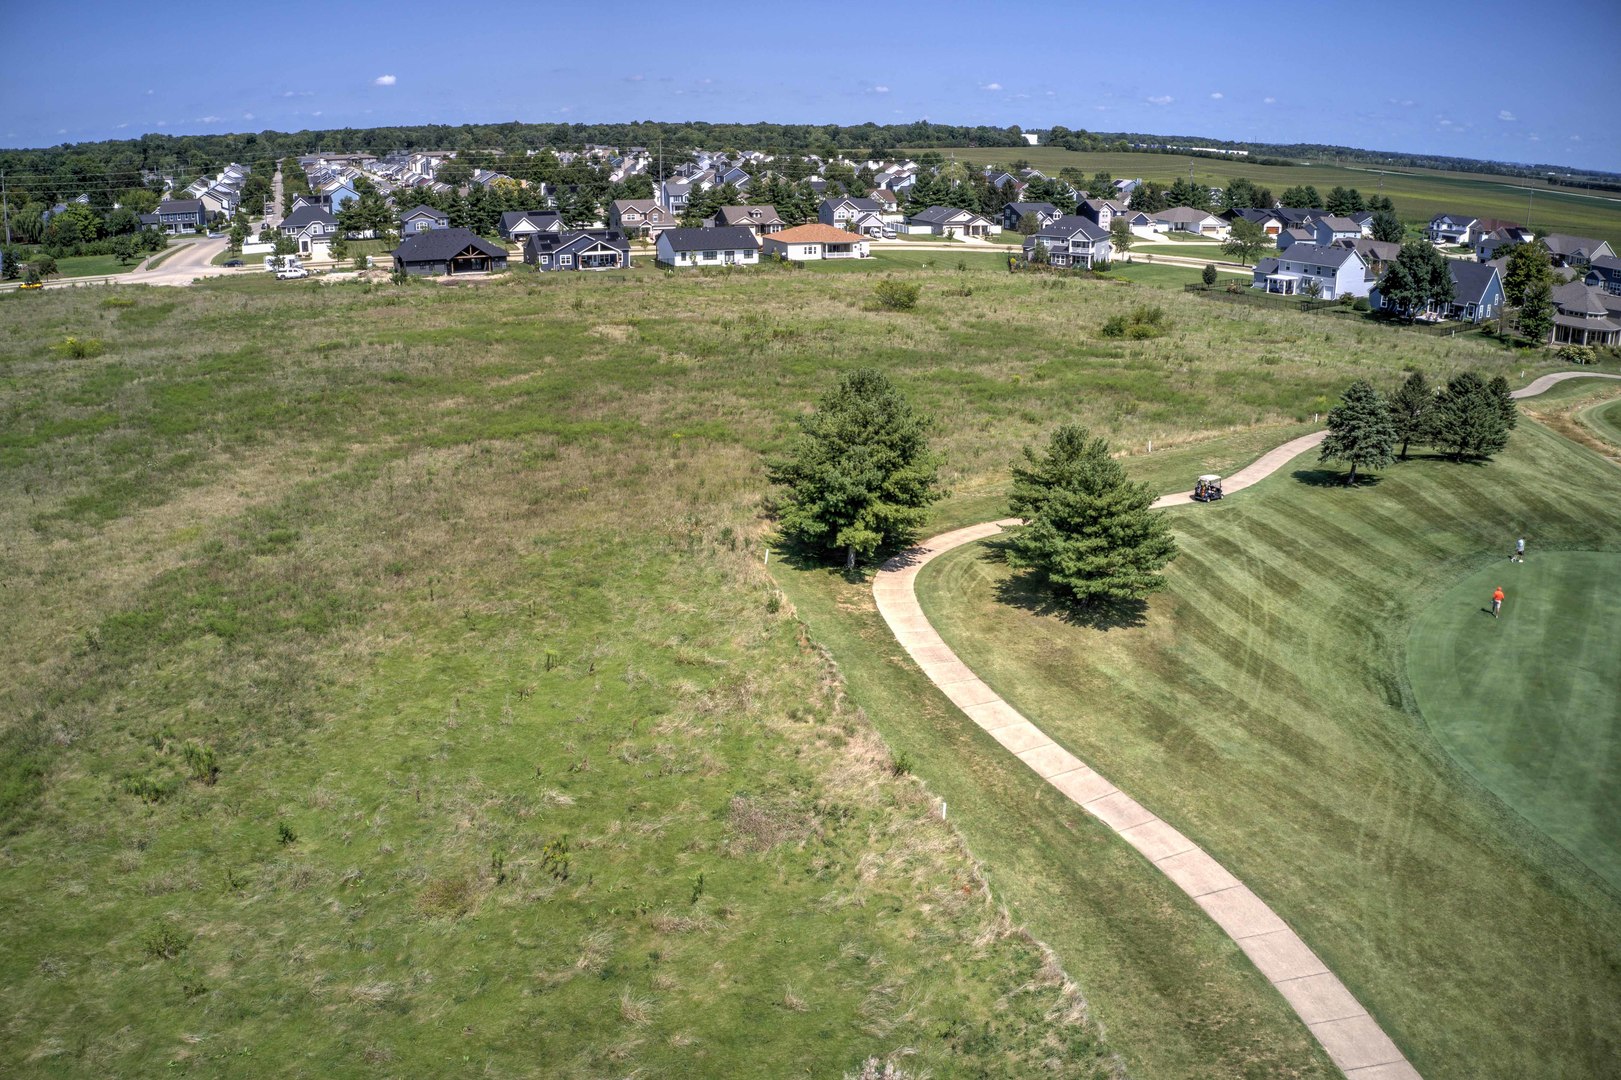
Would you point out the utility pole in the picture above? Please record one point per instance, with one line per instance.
(6, 204)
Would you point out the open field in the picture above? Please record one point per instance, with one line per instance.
(1605, 420)
(402, 685)
(1530, 702)
(1419, 194)
(1263, 708)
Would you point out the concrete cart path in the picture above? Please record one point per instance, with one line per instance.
(1353, 1040)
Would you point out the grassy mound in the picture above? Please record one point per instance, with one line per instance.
(1263, 709)
(1605, 420)
(1530, 703)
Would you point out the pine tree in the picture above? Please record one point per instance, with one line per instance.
(860, 477)
(1089, 534)
(1417, 280)
(1360, 432)
(1387, 227)
(1504, 399)
(1469, 419)
(1412, 409)
(1536, 312)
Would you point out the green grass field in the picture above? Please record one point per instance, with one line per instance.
(1605, 421)
(1530, 702)
(90, 266)
(463, 587)
(1263, 708)
(1419, 194)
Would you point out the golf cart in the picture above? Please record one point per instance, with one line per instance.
(1207, 488)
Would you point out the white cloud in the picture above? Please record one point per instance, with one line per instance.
(1217, 96)
(880, 89)
(991, 86)
(288, 93)
(317, 112)
(1161, 99)
(247, 116)
(149, 93)
(1534, 137)
(1269, 101)
(635, 78)
(61, 131)
(1575, 138)
(206, 120)
(384, 80)
(1504, 114)
(125, 124)
(1101, 108)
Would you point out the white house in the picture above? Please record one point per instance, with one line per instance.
(1450, 228)
(1187, 219)
(1072, 240)
(814, 241)
(726, 246)
(1338, 271)
(867, 216)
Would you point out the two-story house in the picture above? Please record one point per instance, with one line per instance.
(1604, 273)
(1099, 212)
(1450, 228)
(1329, 230)
(181, 216)
(1337, 272)
(310, 225)
(1071, 240)
(865, 216)
(1042, 213)
(422, 218)
(761, 220)
(640, 217)
(519, 225)
(688, 248)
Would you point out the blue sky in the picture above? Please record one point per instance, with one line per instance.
(1524, 82)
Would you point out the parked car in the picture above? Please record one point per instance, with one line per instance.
(32, 285)
(292, 275)
(232, 262)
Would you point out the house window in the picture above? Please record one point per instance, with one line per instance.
(711, 256)
(545, 258)
(565, 260)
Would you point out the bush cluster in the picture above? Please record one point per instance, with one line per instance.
(895, 295)
(1144, 321)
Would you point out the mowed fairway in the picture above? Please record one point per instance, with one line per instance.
(1263, 708)
(1530, 702)
(1605, 421)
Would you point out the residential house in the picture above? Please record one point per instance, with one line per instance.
(1329, 230)
(1584, 315)
(1044, 213)
(181, 216)
(1187, 219)
(1487, 246)
(1364, 221)
(761, 220)
(640, 217)
(1574, 251)
(421, 218)
(310, 225)
(949, 221)
(1337, 272)
(519, 225)
(1477, 291)
(1270, 222)
(219, 200)
(1604, 273)
(1071, 240)
(440, 252)
(814, 241)
(1484, 227)
(729, 246)
(672, 196)
(1376, 254)
(865, 216)
(889, 207)
(583, 249)
(1297, 217)
(1450, 228)
(1100, 212)
(1297, 234)
(1138, 221)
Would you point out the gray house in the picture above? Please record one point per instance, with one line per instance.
(446, 252)
(421, 218)
(640, 217)
(1576, 251)
(1477, 291)
(1072, 240)
(182, 216)
(585, 249)
(519, 225)
(1013, 213)
(762, 220)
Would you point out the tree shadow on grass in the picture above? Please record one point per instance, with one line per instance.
(1331, 478)
(1030, 592)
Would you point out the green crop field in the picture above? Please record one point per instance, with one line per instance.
(1419, 194)
(402, 692)
(1530, 702)
(1263, 708)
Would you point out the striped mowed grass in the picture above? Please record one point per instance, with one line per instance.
(1264, 709)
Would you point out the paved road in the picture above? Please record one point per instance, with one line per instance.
(1352, 1038)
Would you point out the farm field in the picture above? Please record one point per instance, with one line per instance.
(402, 684)
(1264, 708)
(1419, 194)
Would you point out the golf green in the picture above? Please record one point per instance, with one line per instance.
(1530, 702)
(1605, 419)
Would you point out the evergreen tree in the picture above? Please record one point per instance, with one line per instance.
(1360, 432)
(1536, 313)
(1469, 420)
(10, 268)
(1418, 280)
(1412, 410)
(860, 477)
(1504, 398)
(1388, 227)
(1528, 266)
(1089, 534)
(1208, 275)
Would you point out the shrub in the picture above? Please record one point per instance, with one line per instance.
(1576, 354)
(1234, 288)
(1144, 321)
(1208, 275)
(1361, 304)
(895, 295)
(150, 789)
(163, 942)
(79, 348)
(285, 833)
(200, 760)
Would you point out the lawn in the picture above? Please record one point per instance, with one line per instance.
(1263, 708)
(1419, 194)
(1159, 274)
(1605, 421)
(91, 266)
(1530, 702)
(402, 685)
(1186, 250)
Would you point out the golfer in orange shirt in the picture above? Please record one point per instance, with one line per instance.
(1497, 601)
